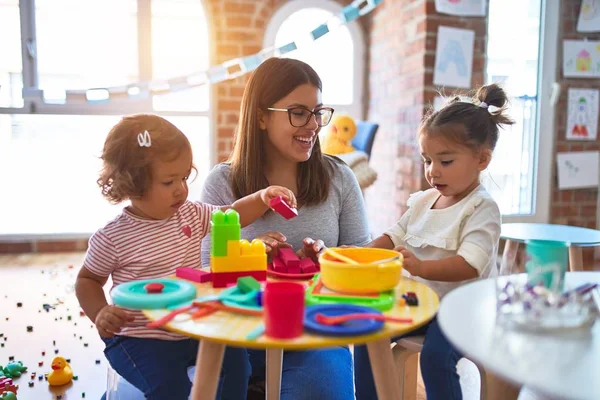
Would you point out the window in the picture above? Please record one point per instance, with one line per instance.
(49, 160)
(11, 67)
(338, 56)
(518, 176)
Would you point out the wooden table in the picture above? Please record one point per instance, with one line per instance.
(221, 329)
(561, 364)
(576, 237)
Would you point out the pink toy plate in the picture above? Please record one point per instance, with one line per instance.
(285, 275)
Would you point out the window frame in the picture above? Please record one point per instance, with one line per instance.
(547, 95)
(34, 104)
(356, 108)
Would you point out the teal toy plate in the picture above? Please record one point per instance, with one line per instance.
(135, 294)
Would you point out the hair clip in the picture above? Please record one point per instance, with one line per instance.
(483, 104)
(144, 139)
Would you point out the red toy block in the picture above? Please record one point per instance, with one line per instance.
(308, 266)
(282, 208)
(293, 270)
(194, 275)
(278, 265)
(289, 258)
(222, 279)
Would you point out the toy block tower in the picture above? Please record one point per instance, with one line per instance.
(232, 258)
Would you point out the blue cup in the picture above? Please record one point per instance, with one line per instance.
(547, 263)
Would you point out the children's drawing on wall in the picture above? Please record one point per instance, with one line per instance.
(469, 8)
(589, 16)
(577, 170)
(581, 58)
(453, 57)
(582, 118)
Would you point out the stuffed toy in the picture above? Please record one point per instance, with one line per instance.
(338, 139)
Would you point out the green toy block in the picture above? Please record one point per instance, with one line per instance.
(225, 226)
(248, 284)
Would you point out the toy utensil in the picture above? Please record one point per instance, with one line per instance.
(221, 307)
(340, 319)
(340, 257)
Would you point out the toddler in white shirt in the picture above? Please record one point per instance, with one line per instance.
(450, 233)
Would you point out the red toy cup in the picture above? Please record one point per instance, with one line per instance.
(284, 309)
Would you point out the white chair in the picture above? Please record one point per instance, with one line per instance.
(405, 357)
(117, 388)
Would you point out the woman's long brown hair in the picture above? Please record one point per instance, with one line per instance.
(271, 81)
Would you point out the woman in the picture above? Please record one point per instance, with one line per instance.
(277, 143)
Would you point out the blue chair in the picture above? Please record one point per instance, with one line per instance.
(365, 136)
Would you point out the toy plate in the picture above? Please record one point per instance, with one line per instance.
(351, 328)
(285, 275)
(134, 295)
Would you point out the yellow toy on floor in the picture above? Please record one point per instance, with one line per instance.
(61, 372)
(338, 139)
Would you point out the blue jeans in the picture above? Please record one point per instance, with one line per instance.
(438, 366)
(314, 374)
(158, 368)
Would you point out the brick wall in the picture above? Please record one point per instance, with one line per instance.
(572, 207)
(402, 41)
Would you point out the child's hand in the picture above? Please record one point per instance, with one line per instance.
(311, 249)
(110, 320)
(266, 195)
(411, 263)
(273, 241)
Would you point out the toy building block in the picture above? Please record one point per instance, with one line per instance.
(225, 226)
(308, 266)
(411, 299)
(248, 284)
(192, 274)
(222, 279)
(278, 265)
(241, 256)
(282, 208)
(289, 258)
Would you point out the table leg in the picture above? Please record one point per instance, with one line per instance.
(208, 370)
(509, 258)
(385, 375)
(274, 359)
(499, 389)
(575, 258)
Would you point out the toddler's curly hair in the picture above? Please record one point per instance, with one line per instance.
(127, 166)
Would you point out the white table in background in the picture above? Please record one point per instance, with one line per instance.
(565, 364)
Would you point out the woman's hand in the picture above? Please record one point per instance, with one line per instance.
(273, 241)
(266, 195)
(411, 263)
(311, 248)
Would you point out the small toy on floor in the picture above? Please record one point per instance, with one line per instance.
(61, 373)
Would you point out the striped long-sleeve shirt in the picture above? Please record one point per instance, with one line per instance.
(131, 248)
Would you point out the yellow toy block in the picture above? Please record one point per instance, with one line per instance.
(242, 256)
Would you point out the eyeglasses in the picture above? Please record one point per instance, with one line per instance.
(300, 116)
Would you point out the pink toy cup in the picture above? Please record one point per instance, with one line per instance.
(284, 309)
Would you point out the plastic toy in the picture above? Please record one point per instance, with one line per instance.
(342, 319)
(8, 396)
(13, 369)
(61, 373)
(287, 265)
(6, 384)
(284, 309)
(411, 299)
(282, 208)
(318, 294)
(248, 284)
(353, 327)
(145, 294)
(378, 270)
(338, 139)
(232, 258)
(192, 274)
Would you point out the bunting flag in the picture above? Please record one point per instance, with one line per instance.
(228, 70)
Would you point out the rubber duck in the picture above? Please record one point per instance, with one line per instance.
(61, 372)
(339, 137)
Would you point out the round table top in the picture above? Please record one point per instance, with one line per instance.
(575, 235)
(563, 364)
(232, 329)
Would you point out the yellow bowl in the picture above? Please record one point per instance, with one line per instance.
(368, 275)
